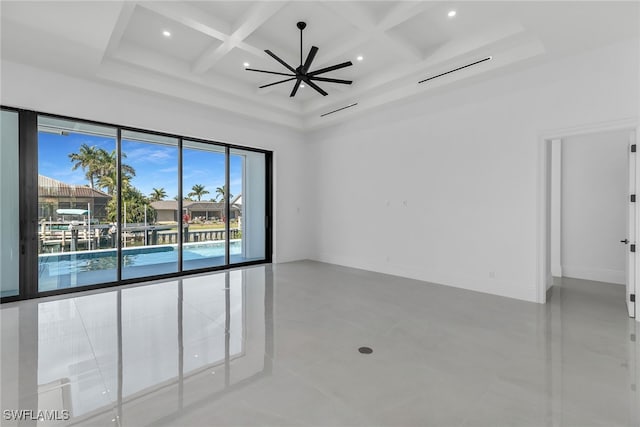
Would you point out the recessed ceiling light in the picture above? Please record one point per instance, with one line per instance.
(360, 58)
(166, 33)
(451, 13)
(246, 64)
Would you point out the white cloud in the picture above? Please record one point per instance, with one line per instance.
(169, 169)
(151, 154)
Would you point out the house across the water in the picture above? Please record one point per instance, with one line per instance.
(167, 210)
(54, 195)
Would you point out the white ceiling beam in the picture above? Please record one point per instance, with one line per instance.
(192, 17)
(360, 17)
(126, 12)
(179, 70)
(211, 56)
(257, 15)
(352, 12)
(251, 49)
(339, 47)
(403, 11)
(193, 93)
(199, 21)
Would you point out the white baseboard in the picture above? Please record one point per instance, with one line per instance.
(599, 275)
(457, 279)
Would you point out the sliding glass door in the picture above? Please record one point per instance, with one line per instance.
(77, 170)
(116, 204)
(149, 223)
(9, 212)
(203, 206)
(247, 203)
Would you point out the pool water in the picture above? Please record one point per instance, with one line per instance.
(85, 261)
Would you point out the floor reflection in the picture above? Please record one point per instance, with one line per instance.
(592, 355)
(277, 345)
(139, 353)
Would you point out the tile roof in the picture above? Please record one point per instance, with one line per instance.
(49, 187)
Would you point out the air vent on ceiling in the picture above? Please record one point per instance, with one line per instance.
(339, 109)
(488, 58)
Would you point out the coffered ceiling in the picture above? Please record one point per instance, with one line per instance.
(400, 42)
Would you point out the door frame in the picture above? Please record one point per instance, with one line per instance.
(543, 241)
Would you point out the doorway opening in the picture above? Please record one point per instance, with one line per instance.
(589, 211)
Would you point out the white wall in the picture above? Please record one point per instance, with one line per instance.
(37, 89)
(466, 164)
(594, 206)
(555, 252)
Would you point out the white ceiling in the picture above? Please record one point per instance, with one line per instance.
(402, 42)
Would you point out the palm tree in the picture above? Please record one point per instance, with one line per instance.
(220, 191)
(198, 191)
(109, 182)
(107, 163)
(87, 158)
(100, 167)
(157, 194)
(106, 171)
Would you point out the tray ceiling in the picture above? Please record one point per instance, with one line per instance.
(122, 42)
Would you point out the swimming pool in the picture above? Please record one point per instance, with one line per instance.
(60, 264)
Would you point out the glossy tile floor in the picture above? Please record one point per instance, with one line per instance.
(278, 345)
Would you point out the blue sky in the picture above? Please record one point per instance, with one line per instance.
(155, 165)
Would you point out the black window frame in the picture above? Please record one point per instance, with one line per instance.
(28, 206)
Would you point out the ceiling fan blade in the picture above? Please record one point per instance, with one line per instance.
(333, 67)
(315, 86)
(324, 79)
(274, 56)
(310, 57)
(295, 88)
(269, 72)
(275, 83)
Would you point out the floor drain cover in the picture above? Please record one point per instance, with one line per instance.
(365, 350)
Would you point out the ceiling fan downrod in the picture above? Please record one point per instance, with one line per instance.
(301, 26)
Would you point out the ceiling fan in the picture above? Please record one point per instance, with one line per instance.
(302, 73)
